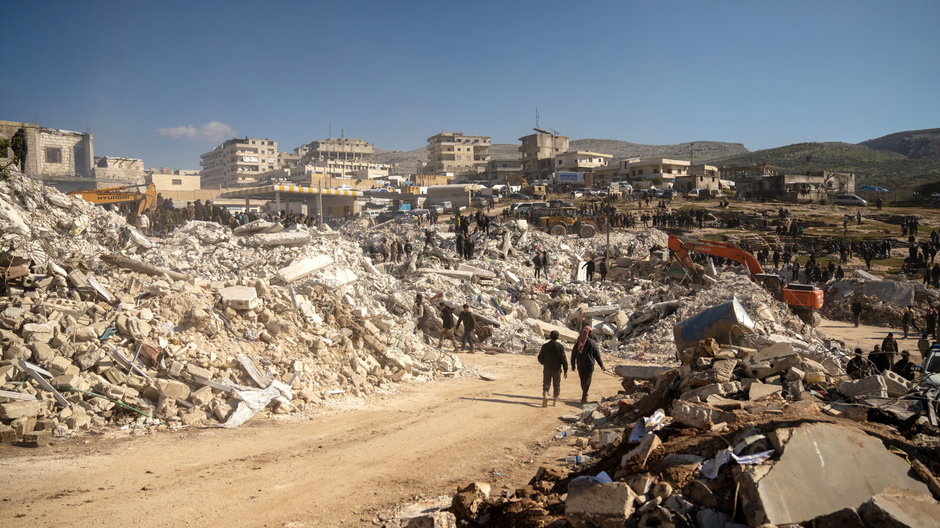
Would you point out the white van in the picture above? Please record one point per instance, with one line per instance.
(849, 199)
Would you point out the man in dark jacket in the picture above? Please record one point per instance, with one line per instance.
(889, 347)
(447, 325)
(553, 361)
(583, 356)
(856, 311)
(858, 367)
(469, 326)
(904, 367)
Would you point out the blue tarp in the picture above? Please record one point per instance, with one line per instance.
(872, 188)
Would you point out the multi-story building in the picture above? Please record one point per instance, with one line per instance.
(581, 161)
(238, 162)
(503, 170)
(538, 154)
(50, 153)
(338, 158)
(455, 153)
(113, 171)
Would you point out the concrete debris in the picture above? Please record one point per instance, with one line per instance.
(746, 420)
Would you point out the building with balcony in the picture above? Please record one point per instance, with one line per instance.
(581, 161)
(503, 170)
(238, 162)
(336, 158)
(538, 152)
(457, 154)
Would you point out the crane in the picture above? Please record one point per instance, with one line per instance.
(803, 299)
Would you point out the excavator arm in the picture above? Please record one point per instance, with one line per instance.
(145, 200)
(681, 247)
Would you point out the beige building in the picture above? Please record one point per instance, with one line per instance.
(538, 152)
(455, 153)
(112, 171)
(581, 161)
(684, 184)
(174, 180)
(503, 170)
(337, 158)
(661, 172)
(238, 162)
(51, 153)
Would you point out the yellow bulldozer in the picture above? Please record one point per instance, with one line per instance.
(560, 221)
(130, 194)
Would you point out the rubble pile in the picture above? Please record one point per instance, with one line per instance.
(883, 299)
(205, 327)
(757, 426)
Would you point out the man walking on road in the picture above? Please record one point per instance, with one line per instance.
(889, 347)
(469, 326)
(583, 356)
(553, 361)
(856, 311)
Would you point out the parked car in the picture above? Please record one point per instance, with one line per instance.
(849, 199)
(439, 209)
(519, 196)
(560, 203)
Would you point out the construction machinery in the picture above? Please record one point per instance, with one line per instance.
(560, 221)
(130, 194)
(803, 299)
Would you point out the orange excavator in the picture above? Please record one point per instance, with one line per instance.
(130, 194)
(803, 299)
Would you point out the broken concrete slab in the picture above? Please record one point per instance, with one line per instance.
(302, 267)
(642, 452)
(602, 505)
(240, 297)
(824, 468)
(759, 391)
(479, 272)
(901, 508)
(639, 372)
(870, 387)
(454, 274)
(20, 409)
(699, 416)
(565, 334)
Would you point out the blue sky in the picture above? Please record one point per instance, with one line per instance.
(167, 80)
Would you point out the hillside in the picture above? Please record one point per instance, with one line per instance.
(407, 161)
(915, 144)
(704, 150)
(874, 167)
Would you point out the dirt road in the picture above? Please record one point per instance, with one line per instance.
(334, 470)
(866, 337)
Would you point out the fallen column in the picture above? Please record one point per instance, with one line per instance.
(142, 267)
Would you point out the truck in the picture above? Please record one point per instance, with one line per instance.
(802, 299)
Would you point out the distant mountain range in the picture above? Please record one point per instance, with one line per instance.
(898, 161)
(915, 144)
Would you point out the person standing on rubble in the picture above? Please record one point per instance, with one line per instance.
(422, 317)
(589, 269)
(889, 347)
(553, 361)
(931, 322)
(447, 325)
(545, 264)
(858, 367)
(469, 326)
(856, 311)
(602, 268)
(537, 263)
(583, 356)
